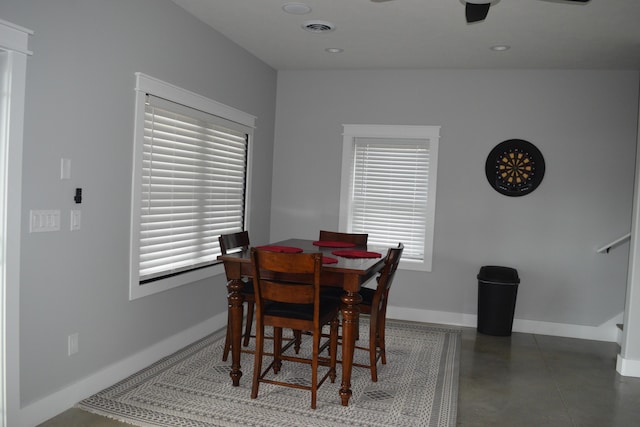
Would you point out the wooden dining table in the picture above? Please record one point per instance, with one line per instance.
(348, 273)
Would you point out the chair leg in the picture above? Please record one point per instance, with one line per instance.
(257, 361)
(297, 336)
(333, 348)
(247, 331)
(373, 348)
(314, 367)
(381, 346)
(381, 328)
(277, 349)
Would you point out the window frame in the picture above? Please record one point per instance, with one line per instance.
(351, 132)
(149, 85)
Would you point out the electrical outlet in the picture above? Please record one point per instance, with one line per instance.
(73, 343)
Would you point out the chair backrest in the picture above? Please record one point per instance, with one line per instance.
(229, 242)
(334, 236)
(292, 278)
(385, 279)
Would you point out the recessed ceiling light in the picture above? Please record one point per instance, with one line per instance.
(334, 50)
(296, 8)
(318, 26)
(500, 48)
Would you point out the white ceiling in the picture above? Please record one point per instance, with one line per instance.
(601, 34)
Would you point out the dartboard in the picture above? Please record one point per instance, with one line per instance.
(515, 167)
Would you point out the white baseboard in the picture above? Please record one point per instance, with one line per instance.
(608, 331)
(62, 400)
(431, 316)
(628, 367)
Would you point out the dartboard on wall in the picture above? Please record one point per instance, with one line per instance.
(515, 167)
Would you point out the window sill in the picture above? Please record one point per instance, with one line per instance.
(414, 265)
(136, 290)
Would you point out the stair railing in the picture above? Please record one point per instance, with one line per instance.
(606, 248)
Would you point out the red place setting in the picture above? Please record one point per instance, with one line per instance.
(282, 249)
(357, 254)
(332, 244)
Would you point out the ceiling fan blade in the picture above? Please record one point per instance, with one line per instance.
(476, 12)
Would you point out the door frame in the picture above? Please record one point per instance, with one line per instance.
(14, 50)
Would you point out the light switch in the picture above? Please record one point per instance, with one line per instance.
(65, 168)
(44, 220)
(76, 217)
(72, 344)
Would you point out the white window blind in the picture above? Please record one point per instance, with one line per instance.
(193, 187)
(390, 189)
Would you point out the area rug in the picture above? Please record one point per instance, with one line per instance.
(191, 388)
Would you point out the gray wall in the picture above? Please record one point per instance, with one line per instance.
(79, 105)
(584, 122)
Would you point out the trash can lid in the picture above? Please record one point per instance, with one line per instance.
(495, 274)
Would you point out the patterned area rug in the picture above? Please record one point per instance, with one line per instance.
(191, 388)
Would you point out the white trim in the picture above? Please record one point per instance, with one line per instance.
(629, 358)
(147, 84)
(628, 367)
(62, 400)
(606, 332)
(14, 41)
(14, 37)
(138, 291)
(431, 316)
(392, 131)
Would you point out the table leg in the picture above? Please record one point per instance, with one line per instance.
(235, 307)
(350, 316)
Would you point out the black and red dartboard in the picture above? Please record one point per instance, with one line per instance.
(515, 167)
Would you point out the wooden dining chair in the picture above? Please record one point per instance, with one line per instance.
(287, 294)
(359, 239)
(374, 303)
(229, 243)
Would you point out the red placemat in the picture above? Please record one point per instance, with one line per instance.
(329, 260)
(332, 244)
(283, 249)
(357, 254)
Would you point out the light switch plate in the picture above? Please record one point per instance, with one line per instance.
(72, 344)
(76, 217)
(44, 220)
(65, 168)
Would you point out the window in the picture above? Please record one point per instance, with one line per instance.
(389, 187)
(190, 184)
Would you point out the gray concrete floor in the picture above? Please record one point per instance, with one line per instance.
(538, 380)
(518, 381)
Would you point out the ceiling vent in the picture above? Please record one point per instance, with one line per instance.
(318, 26)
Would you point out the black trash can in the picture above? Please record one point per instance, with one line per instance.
(497, 291)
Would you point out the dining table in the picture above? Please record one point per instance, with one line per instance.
(340, 269)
